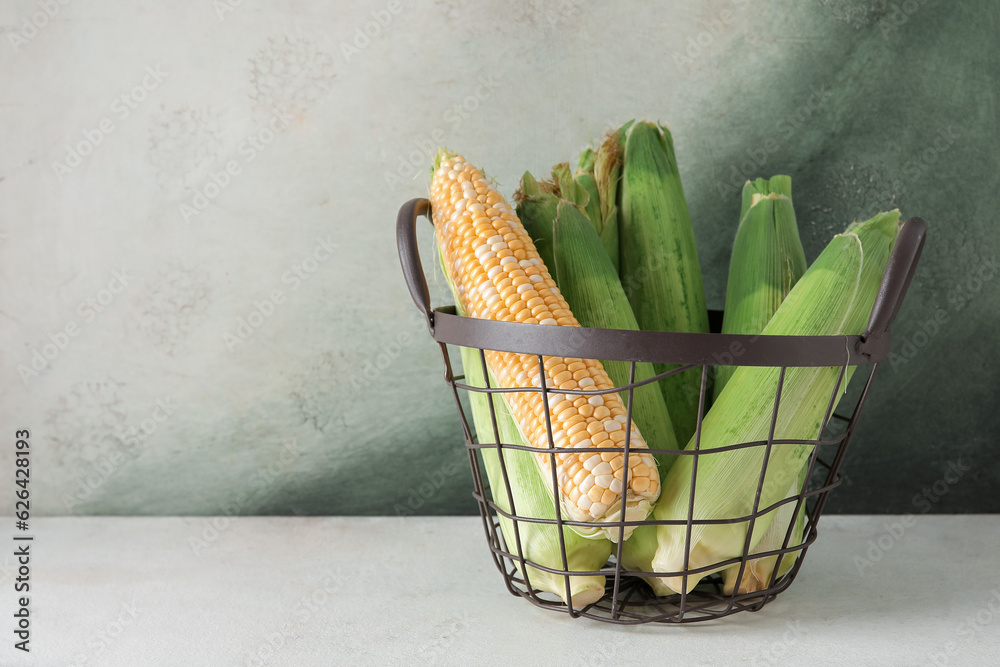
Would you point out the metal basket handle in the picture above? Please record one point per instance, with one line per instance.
(409, 255)
(896, 280)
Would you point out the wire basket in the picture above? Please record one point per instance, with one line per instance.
(627, 598)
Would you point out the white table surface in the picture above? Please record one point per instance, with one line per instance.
(388, 591)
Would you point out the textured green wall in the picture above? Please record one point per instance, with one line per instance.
(869, 106)
(908, 119)
(334, 403)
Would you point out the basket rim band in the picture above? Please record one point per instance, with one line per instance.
(714, 349)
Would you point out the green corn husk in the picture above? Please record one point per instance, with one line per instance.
(607, 174)
(586, 180)
(834, 296)
(532, 499)
(590, 285)
(585, 161)
(536, 209)
(758, 572)
(776, 185)
(567, 187)
(659, 260)
(767, 260)
(537, 202)
(637, 556)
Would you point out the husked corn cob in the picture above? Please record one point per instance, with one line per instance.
(498, 275)
(659, 260)
(834, 296)
(532, 498)
(766, 262)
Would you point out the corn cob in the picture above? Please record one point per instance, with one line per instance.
(532, 495)
(575, 188)
(659, 260)
(607, 174)
(776, 185)
(537, 200)
(637, 556)
(590, 286)
(536, 209)
(758, 571)
(584, 178)
(566, 186)
(767, 260)
(834, 296)
(499, 275)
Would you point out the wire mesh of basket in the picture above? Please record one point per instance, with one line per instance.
(627, 598)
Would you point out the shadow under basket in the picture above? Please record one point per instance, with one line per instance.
(627, 597)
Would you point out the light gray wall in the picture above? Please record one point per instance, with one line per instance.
(844, 97)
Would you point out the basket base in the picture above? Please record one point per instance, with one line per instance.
(636, 602)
